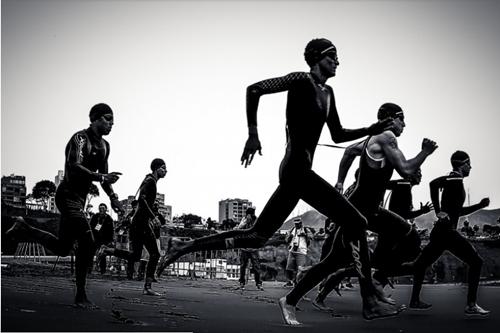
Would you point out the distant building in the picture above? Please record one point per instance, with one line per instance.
(233, 209)
(14, 190)
(58, 179)
(165, 210)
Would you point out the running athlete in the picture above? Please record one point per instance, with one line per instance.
(401, 201)
(86, 162)
(310, 105)
(379, 156)
(445, 236)
(141, 231)
(401, 204)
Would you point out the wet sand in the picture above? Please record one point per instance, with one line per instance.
(36, 299)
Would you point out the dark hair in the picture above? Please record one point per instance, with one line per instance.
(103, 204)
(389, 110)
(318, 48)
(156, 164)
(458, 158)
(99, 110)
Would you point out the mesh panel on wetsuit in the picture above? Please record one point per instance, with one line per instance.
(278, 84)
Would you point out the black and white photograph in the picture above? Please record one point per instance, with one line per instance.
(250, 166)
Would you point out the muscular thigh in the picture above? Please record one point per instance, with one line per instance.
(73, 224)
(322, 196)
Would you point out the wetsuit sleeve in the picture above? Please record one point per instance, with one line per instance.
(269, 86)
(470, 209)
(103, 168)
(413, 214)
(76, 151)
(337, 132)
(147, 196)
(435, 185)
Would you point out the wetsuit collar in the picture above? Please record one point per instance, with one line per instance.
(92, 134)
(319, 81)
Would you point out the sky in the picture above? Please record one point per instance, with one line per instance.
(175, 73)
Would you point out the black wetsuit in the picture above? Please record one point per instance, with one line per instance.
(401, 201)
(141, 232)
(392, 229)
(86, 153)
(309, 106)
(444, 234)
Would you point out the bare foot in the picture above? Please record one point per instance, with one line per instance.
(321, 306)
(81, 301)
(288, 312)
(376, 309)
(419, 305)
(150, 292)
(381, 295)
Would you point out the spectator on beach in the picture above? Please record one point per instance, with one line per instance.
(249, 254)
(298, 239)
(102, 230)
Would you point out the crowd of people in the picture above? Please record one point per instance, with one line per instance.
(310, 105)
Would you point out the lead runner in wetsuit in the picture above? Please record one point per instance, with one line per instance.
(86, 162)
(444, 234)
(310, 104)
(379, 156)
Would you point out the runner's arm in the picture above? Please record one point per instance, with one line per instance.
(435, 186)
(254, 92)
(404, 167)
(340, 134)
(348, 158)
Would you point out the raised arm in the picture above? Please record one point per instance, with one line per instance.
(404, 167)
(108, 178)
(350, 154)
(254, 92)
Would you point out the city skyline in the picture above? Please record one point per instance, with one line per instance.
(175, 73)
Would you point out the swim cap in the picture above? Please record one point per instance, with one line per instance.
(98, 111)
(156, 164)
(458, 158)
(389, 110)
(318, 48)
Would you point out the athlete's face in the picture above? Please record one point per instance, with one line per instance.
(399, 125)
(104, 124)
(162, 171)
(465, 169)
(328, 65)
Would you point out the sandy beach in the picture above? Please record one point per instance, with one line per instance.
(35, 298)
